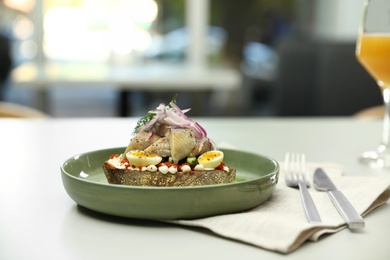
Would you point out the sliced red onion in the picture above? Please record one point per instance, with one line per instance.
(201, 143)
(201, 129)
(151, 135)
(146, 127)
(174, 116)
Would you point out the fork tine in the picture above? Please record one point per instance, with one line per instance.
(295, 168)
(288, 167)
(303, 170)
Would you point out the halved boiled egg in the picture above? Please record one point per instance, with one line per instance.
(141, 158)
(211, 159)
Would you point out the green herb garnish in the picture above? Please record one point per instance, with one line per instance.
(143, 120)
(172, 101)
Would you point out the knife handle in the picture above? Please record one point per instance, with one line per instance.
(346, 210)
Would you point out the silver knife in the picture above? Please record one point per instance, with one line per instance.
(345, 208)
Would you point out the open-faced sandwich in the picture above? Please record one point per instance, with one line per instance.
(168, 149)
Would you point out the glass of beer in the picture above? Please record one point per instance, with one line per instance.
(373, 52)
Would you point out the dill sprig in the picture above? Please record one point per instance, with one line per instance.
(142, 121)
(173, 101)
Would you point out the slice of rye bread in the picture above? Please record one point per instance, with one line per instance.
(178, 179)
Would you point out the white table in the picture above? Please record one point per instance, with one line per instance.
(148, 76)
(39, 221)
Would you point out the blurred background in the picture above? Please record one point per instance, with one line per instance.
(108, 58)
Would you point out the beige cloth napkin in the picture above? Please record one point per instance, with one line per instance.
(280, 224)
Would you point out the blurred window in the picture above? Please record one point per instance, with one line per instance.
(126, 30)
(93, 30)
(78, 30)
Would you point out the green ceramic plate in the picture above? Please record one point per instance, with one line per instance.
(86, 184)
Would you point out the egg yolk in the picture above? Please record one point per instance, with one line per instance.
(140, 158)
(211, 159)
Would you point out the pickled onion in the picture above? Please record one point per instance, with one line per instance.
(172, 115)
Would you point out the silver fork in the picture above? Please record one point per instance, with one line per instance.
(296, 176)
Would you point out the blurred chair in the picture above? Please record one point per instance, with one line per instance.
(295, 85)
(344, 86)
(322, 79)
(11, 110)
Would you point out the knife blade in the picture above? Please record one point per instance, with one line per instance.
(323, 183)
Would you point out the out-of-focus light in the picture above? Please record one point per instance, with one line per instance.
(67, 36)
(141, 11)
(142, 41)
(119, 28)
(126, 37)
(66, 21)
(28, 49)
(21, 5)
(22, 28)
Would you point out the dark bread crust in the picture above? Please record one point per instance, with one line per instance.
(179, 179)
